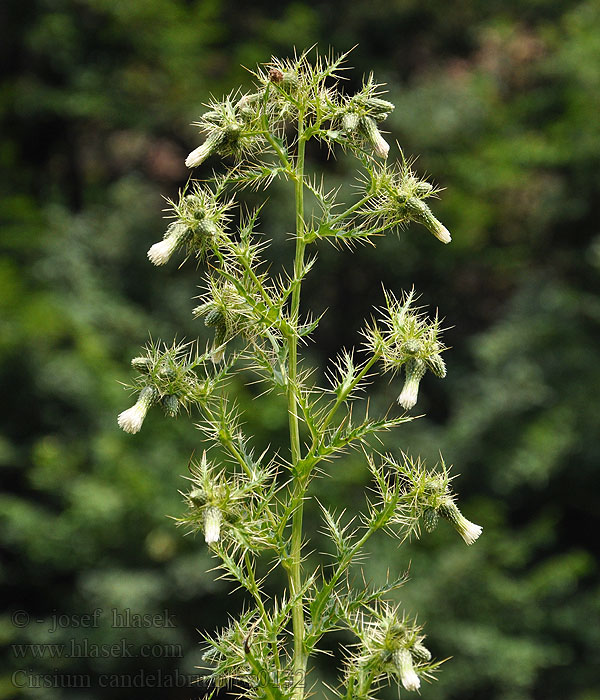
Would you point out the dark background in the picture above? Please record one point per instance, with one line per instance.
(500, 101)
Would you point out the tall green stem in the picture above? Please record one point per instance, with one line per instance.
(299, 483)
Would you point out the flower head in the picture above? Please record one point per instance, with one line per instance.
(407, 341)
(171, 405)
(132, 419)
(229, 131)
(391, 646)
(220, 502)
(200, 154)
(350, 122)
(466, 529)
(420, 212)
(414, 370)
(142, 364)
(199, 225)
(161, 252)
(402, 659)
(361, 112)
(369, 128)
(212, 524)
(228, 313)
(398, 194)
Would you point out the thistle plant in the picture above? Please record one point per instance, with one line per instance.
(248, 501)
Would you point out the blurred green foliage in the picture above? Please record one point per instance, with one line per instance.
(501, 101)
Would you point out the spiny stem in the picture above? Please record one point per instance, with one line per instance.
(342, 397)
(325, 594)
(299, 484)
(256, 593)
(228, 444)
(351, 209)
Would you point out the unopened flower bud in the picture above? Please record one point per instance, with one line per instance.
(414, 370)
(171, 405)
(176, 234)
(132, 419)
(350, 122)
(246, 105)
(379, 109)
(411, 347)
(197, 497)
(403, 662)
(430, 519)
(167, 372)
(219, 342)
(420, 652)
(437, 365)
(422, 214)
(423, 188)
(370, 130)
(466, 529)
(208, 228)
(200, 154)
(213, 318)
(290, 81)
(233, 130)
(142, 364)
(212, 524)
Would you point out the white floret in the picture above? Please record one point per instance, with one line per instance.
(409, 395)
(132, 419)
(212, 525)
(161, 252)
(442, 234)
(198, 156)
(469, 531)
(404, 665)
(381, 146)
